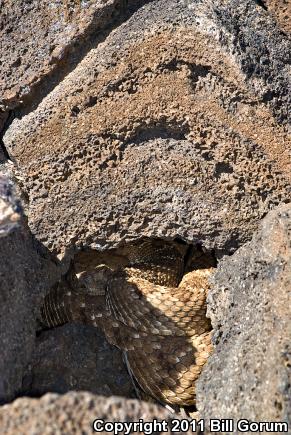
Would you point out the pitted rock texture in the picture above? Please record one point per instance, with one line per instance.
(26, 274)
(74, 413)
(41, 41)
(164, 130)
(3, 119)
(76, 357)
(281, 10)
(248, 376)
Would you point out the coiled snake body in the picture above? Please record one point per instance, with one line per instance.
(145, 306)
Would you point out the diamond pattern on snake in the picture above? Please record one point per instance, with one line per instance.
(149, 298)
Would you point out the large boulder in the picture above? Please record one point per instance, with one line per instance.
(74, 413)
(248, 376)
(26, 274)
(175, 126)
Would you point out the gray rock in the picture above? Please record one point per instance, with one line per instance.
(26, 273)
(76, 357)
(248, 376)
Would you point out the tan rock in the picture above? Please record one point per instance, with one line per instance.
(159, 132)
(75, 413)
(281, 10)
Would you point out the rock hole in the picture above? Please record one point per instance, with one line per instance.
(222, 168)
(261, 4)
(91, 101)
(75, 110)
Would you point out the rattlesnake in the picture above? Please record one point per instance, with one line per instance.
(150, 304)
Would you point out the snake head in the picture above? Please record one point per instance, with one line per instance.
(94, 280)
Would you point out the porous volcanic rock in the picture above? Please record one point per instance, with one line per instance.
(248, 376)
(75, 412)
(281, 10)
(175, 126)
(40, 42)
(77, 357)
(26, 273)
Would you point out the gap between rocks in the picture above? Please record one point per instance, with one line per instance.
(8, 121)
(49, 374)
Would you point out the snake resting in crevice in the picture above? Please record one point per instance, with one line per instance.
(151, 303)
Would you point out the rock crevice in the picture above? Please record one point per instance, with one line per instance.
(163, 119)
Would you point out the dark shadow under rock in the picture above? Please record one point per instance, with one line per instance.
(77, 357)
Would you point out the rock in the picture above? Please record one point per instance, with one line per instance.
(162, 118)
(10, 210)
(26, 273)
(76, 357)
(41, 42)
(281, 10)
(248, 376)
(175, 126)
(75, 413)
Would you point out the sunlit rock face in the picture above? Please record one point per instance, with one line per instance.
(123, 120)
(170, 128)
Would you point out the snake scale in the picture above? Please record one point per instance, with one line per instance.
(150, 300)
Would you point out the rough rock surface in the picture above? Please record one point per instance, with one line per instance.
(174, 126)
(249, 374)
(75, 357)
(40, 42)
(281, 10)
(26, 273)
(74, 413)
